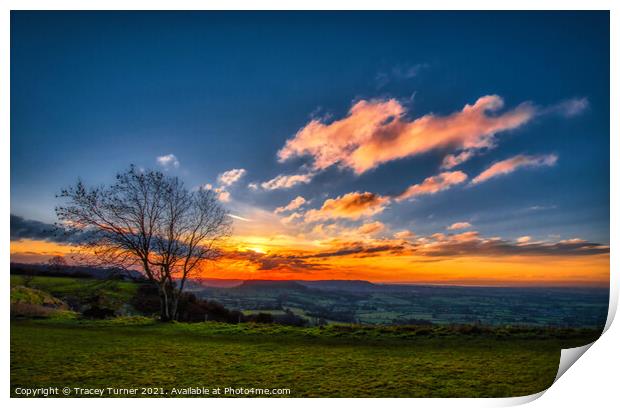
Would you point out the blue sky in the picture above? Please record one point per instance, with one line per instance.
(93, 92)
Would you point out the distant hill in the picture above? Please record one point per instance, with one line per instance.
(218, 283)
(279, 285)
(289, 285)
(346, 285)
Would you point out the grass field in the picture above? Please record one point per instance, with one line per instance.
(335, 361)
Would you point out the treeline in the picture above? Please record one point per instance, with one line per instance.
(193, 310)
(74, 271)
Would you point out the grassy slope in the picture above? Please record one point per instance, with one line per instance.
(356, 362)
(81, 288)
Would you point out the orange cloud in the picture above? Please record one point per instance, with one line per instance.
(404, 234)
(293, 205)
(352, 206)
(370, 228)
(433, 184)
(378, 131)
(459, 225)
(286, 181)
(453, 160)
(514, 163)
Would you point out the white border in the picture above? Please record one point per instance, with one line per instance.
(594, 379)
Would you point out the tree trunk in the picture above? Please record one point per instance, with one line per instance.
(174, 309)
(164, 300)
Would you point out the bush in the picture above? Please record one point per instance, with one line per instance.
(146, 299)
(290, 319)
(193, 309)
(97, 312)
(264, 318)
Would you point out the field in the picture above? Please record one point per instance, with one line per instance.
(335, 361)
(402, 304)
(489, 358)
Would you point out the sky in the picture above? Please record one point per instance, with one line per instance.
(428, 147)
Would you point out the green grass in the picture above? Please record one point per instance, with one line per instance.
(80, 288)
(335, 361)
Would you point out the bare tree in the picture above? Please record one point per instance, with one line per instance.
(148, 220)
(56, 264)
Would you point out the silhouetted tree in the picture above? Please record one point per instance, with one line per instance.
(57, 264)
(151, 221)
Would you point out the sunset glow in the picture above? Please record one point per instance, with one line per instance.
(417, 163)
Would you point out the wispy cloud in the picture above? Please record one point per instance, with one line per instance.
(509, 165)
(399, 72)
(453, 160)
(568, 108)
(433, 184)
(379, 131)
(237, 217)
(230, 177)
(468, 243)
(168, 161)
(283, 181)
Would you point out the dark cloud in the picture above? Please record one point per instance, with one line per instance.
(22, 228)
(472, 245)
(360, 250)
(267, 262)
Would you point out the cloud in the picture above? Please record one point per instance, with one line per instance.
(468, 243)
(293, 205)
(335, 232)
(458, 226)
(399, 72)
(22, 228)
(237, 217)
(268, 262)
(230, 177)
(404, 234)
(568, 108)
(433, 184)
(434, 247)
(286, 181)
(253, 186)
(361, 249)
(371, 228)
(292, 218)
(220, 192)
(168, 161)
(453, 160)
(509, 165)
(524, 239)
(351, 206)
(378, 131)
